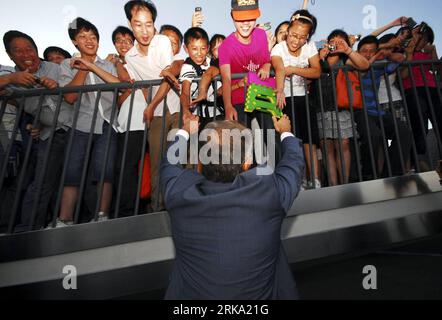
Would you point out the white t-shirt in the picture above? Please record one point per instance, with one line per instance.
(142, 68)
(308, 51)
(188, 73)
(383, 92)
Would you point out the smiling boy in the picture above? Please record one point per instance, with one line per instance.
(196, 44)
(245, 50)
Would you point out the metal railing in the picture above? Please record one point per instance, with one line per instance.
(13, 187)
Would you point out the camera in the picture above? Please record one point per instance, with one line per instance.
(332, 47)
(410, 23)
(358, 37)
(423, 27)
(198, 9)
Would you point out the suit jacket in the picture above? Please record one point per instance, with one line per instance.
(228, 236)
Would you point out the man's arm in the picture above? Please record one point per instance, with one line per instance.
(289, 171)
(396, 23)
(170, 172)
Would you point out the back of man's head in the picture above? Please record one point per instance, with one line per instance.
(228, 151)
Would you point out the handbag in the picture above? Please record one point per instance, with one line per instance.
(342, 90)
(146, 187)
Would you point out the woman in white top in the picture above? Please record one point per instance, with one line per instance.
(296, 60)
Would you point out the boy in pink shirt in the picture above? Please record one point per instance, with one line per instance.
(245, 50)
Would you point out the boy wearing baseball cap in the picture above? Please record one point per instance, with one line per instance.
(246, 50)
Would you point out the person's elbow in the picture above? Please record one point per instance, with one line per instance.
(70, 98)
(316, 74)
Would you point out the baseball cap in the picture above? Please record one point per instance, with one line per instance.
(244, 10)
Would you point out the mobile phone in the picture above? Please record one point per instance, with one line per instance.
(411, 23)
(198, 9)
(266, 26)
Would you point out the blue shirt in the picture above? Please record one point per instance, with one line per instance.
(367, 86)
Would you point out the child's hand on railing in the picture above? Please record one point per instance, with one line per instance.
(264, 72)
(148, 115)
(48, 83)
(167, 75)
(202, 96)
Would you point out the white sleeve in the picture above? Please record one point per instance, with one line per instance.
(166, 52)
(187, 73)
(66, 73)
(312, 50)
(277, 51)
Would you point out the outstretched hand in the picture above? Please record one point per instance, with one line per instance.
(282, 125)
(190, 123)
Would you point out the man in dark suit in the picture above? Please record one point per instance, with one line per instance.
(226, 222)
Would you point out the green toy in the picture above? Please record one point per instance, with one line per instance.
(262, 98)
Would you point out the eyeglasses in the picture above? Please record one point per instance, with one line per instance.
(121, 41)
(297, 37)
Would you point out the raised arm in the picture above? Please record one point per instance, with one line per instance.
(289, 171)
(395, 23)
(278, 65)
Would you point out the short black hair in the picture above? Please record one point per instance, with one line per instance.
(196, 34)
(14, 34)
(280, 26)
(138, 4)
(387, 38)
(311, 20)
(80, 24)
(58, 50)
(368, 40)
(122, 30)
(339, 33)
(429, 33)
(168, 27)
(215, 38)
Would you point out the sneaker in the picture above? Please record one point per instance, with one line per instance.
(102, 217)
(304, 185)
(318, 184)
(60, 224)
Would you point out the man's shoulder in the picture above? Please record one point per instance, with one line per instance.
(49, 68)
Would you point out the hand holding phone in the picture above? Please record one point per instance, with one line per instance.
(198, 17)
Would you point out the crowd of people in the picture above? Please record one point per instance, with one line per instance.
(378, 138)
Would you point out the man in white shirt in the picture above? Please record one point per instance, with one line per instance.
(146, 61)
